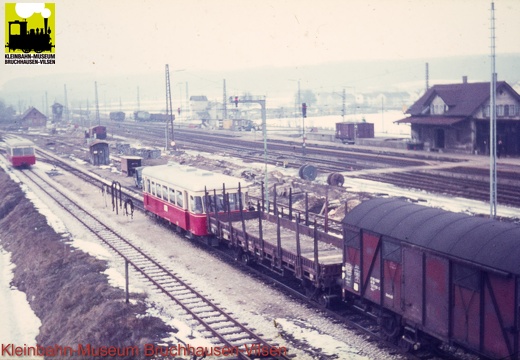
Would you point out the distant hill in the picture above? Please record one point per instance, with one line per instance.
(272, 82)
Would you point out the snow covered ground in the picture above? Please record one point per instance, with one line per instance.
(19, 323)
(308, 329)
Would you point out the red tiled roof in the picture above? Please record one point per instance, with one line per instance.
(430, 120)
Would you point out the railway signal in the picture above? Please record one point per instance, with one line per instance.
(304, 110)
(236, 101)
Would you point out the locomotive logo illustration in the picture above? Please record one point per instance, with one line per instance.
(29, 27)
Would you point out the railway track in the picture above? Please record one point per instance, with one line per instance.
(202, 311)
(435, 183)
(214, 323)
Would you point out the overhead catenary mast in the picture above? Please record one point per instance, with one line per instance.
(66, 103)
(169, 109)
(98, 119)
(492, 125)
(224, 102)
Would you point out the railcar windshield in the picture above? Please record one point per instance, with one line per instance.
(222, 204)
(23, 151)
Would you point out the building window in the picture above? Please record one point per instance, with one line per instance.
(485, 111)
(500, 110)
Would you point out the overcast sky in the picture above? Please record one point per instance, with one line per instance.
(136, 36)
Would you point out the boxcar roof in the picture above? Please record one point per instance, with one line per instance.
(191, 178)
(478, 240)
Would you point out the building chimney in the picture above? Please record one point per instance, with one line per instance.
(464, 79)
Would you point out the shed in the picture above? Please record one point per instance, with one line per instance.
(129, 164)
(32, 117)
(99, 153)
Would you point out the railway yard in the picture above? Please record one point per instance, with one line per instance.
(204, 293)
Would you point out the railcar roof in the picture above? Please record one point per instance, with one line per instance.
(191, 178)
(483, 241)
(18, 142)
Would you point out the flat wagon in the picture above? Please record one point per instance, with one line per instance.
(286, 246)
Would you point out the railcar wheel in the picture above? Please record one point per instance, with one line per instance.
(405, 344)
(390, 327)
(323, 300)
(246, 259)
(243, 257)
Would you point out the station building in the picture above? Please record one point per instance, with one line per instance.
(32, 117)
(455, 118)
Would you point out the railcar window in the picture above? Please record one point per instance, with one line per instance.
(147, 186)
(196, 204)
(391, 251)
(153, 188)
(172, 196)
(165, 193)
(17, 152)
(28, 151)
(180, 201)
(466, 276)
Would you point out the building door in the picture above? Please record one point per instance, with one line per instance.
(439, 138)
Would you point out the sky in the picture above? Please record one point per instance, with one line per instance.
(102, 38)
(118, 36)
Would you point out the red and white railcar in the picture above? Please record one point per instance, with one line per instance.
(176, 193)
(20, 152)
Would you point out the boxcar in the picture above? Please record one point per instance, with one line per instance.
(117, 116)
(348, 132)
(98, 132)
(176, 193)
(20, 152)
(435, 275)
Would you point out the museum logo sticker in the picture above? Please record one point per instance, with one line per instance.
(30, 34)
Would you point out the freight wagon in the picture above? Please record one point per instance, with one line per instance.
(348, 132)
(435, 276)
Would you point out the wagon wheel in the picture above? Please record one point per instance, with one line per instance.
(38, 51)
(390, 327)
(243, 257)
(246, 258)
(26, 50)
(324, 300)
(405, 345)
(336, 179)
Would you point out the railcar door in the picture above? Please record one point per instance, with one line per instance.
(437, 295)
(412, 293)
